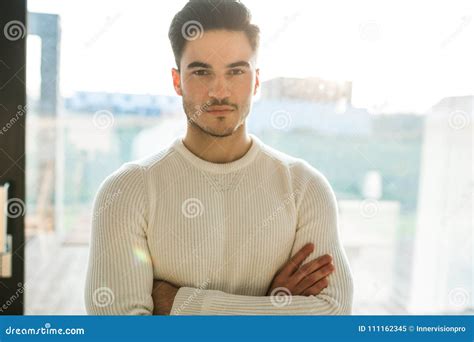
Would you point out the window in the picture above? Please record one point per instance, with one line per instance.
(376, 101)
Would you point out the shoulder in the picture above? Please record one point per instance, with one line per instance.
(307, 181)
(137, 170)
(312, 188)
(300, 170)
(277, 156)
(305, 174)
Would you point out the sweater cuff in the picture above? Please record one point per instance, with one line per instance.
(188, 301)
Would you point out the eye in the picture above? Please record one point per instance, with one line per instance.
(201, 72)
(236, 72)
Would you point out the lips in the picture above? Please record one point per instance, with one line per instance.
(219, 108)
(216, 110)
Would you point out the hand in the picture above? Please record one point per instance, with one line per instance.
(163, 297)
(309, 279)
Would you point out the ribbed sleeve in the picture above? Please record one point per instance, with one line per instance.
(120, 273)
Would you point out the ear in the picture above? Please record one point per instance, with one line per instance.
(257, 81)
(176, 81)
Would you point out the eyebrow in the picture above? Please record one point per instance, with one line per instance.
(198, 64)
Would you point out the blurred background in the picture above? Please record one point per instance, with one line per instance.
(377, 95)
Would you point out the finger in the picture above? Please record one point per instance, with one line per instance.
(316, 288)
(314, 277)
(310, 267)
(297, 259)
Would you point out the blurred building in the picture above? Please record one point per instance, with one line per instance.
(368, 230)
(442, 277)
(309, 103)
(325, 118)
(117, 103)
(42, 133)
(307, 89)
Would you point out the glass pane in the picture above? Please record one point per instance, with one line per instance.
(379, 103)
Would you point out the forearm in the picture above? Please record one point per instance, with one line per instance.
(335, 299)
(192, 301)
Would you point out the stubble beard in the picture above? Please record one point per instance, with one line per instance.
(193, 112)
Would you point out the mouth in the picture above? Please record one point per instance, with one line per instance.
(220, 110)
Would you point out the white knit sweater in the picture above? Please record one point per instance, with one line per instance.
(218, 231)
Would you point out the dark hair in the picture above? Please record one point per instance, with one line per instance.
(198, 16)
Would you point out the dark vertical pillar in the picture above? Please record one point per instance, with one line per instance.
(12, 144)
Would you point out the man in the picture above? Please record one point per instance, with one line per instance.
(219, 222)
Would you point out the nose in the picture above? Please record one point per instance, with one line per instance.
(219, 88)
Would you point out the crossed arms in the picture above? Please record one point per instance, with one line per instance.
(322, 286)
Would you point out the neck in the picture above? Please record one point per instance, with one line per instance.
(218, 149)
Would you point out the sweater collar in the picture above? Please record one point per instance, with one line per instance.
(205, 165)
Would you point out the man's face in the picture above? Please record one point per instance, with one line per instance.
(217, 80)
